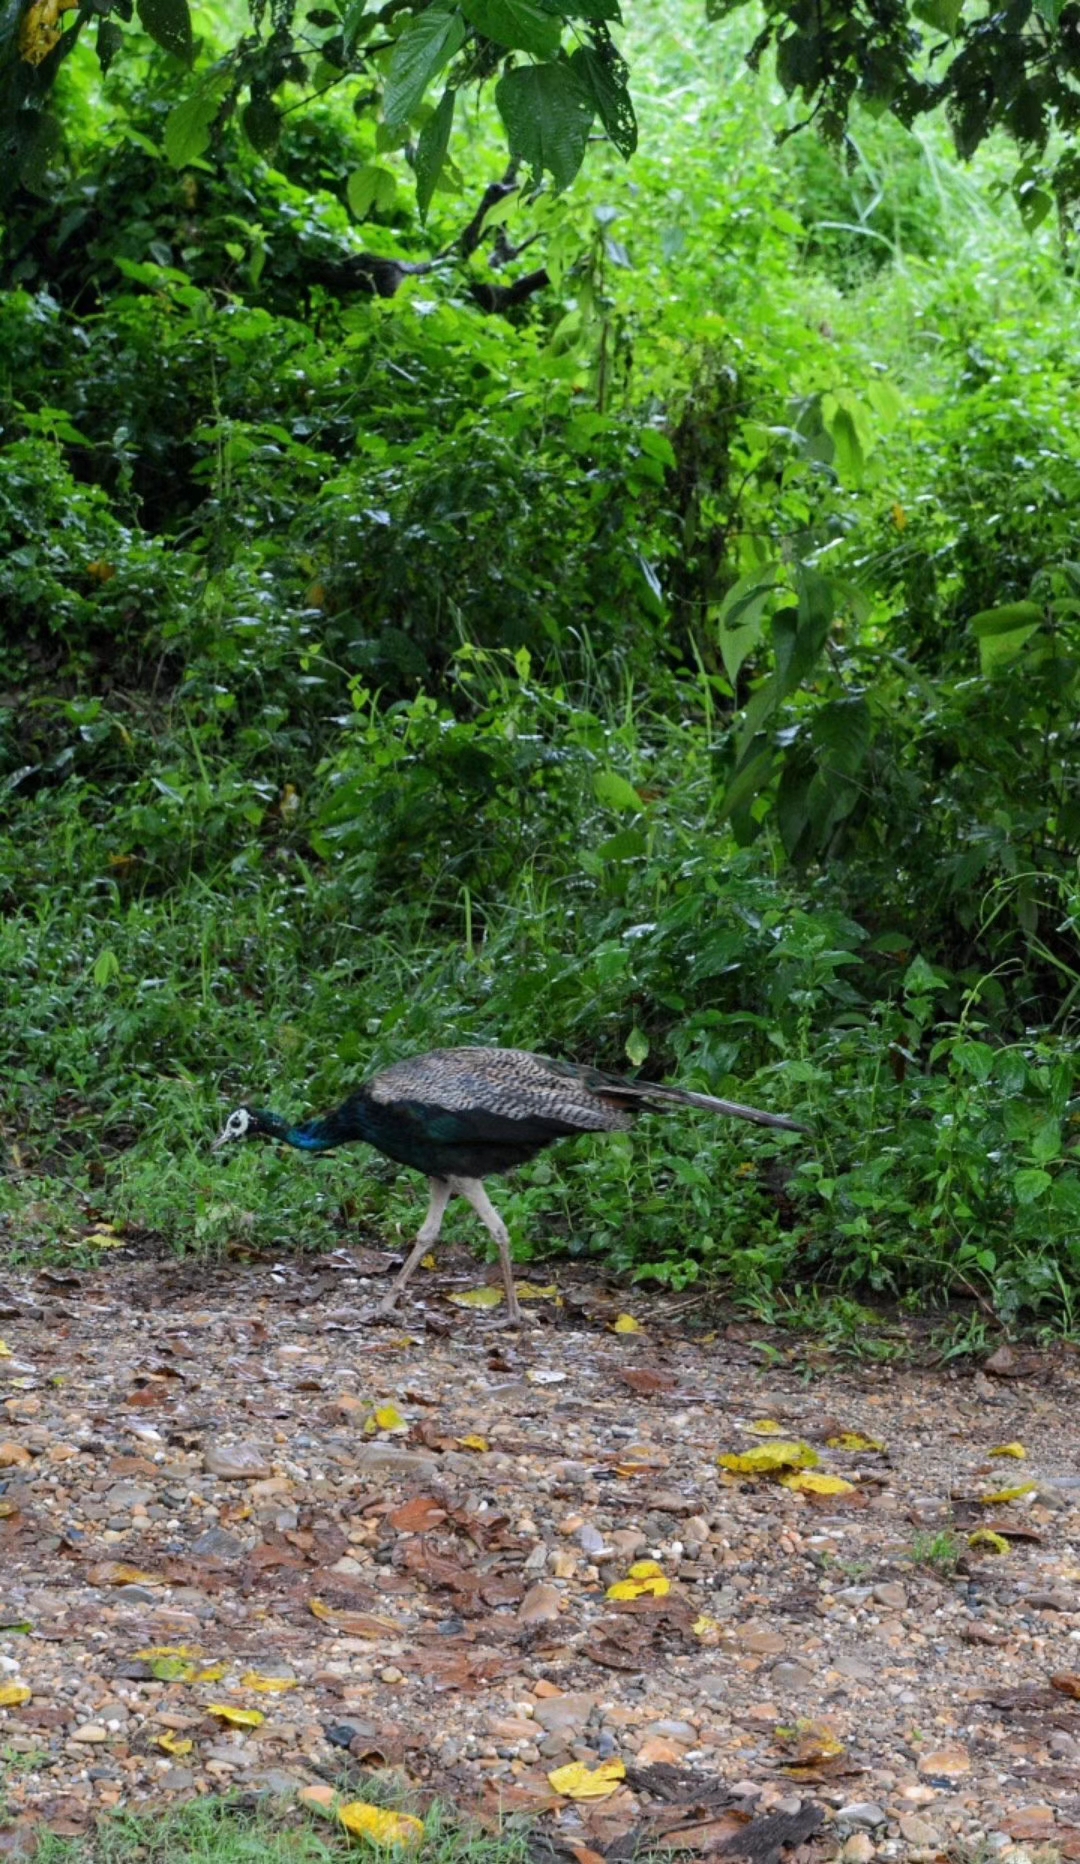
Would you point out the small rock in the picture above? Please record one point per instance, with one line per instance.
(564, 1714)
(90, 1732)
(218, 1544)
(945, 1763)
(863, 1812)
(1002, 1364)
(124, 1496)
(892, 1595)
(591, 1541)
(858, 1849)
(791, 1676)
(539, 1606)
(236, 1462)
(13, 1456)
(918, 1831)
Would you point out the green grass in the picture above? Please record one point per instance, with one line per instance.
(244, 1831)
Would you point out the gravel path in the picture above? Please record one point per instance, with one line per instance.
(221, 1492)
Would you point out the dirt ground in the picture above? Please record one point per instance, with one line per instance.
(225, 1495)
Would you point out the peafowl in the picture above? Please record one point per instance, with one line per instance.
(459, 1115)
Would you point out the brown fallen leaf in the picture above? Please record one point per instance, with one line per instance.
(1067, 1682)
(118, 1573)
(646, 1381)
(417, 1516)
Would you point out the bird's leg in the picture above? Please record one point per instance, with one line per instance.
(472, 1189)
(441, 1192)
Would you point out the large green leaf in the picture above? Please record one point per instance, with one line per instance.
(742, 614)
(431, 146)
(604, 74)
(426, 45)
(548, 114)
(188, 126)
(519, 24)
(169, 23)
(1003, 632)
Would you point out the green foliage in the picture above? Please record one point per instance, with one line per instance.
(677, 673)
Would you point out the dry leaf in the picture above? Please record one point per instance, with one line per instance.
(386, 1417)
(1068, 1682)
(627, 1324)
(477, 1297)
(1008, 1495)
(815, 1482)
(576, 1781)
(532, 1291)
(854, 1440)
(267, 1685)
(5, 1350)
(116, 1573)
(353, 1624)
(767, 1427)
(474, 1443)
(813, 1743)
(236, 1718)
(706, 1628)
(12, 1694)
(174, 1744)
(1009, 1449)
(166, 1650)
(417, 1516)
(380, 1827)
(769, 1458)
(986, 1538)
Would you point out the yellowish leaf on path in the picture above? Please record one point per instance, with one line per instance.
(645, 1580)
(1008, 1495)
(236, 1718)
(427, 1262)
(213, 1674)
(813, 1742)
(12, 1694)
(380, 1827)
(577, 1781)
(267, 1685)
(854, 1440)
(174, 1744)
(532, 1291)
(767, 1427)
(385, 1417)
(815, 1482)
(769, 1458)
(1009, 1449)
(118, 1573)
(627, 1324)
(8, 1508)
(988, 1541)
(5, 1350)
(167, 1650)
(706, 1627)
(354, 1624)
(474, 1443)
(477, 1297)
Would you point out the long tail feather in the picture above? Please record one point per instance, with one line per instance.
(652, 1093)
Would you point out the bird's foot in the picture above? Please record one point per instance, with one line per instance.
(513, 1317)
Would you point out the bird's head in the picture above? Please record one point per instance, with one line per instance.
(248, 1123)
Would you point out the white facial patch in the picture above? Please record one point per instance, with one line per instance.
(235, 1127)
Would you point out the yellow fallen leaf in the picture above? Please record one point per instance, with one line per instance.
(166, 1650)
(474, 1443)
(706, 1627)
(477, 1297)
(5, 1350)
(213, 1674)
(815, 1482)
(813, 1742)
(175, 1670)
(267, 1685)
(627, 1324)
(576, 1781)
(8, 1508)
(319, 1610)
(11, 1694)
(236, 1718)
(1008, 1495)
(645, 1580)
(1009, 1449)
(427, 1262)
(986, 1538)
(854, 1440)
(175, 1744)
(532, 1291)
(385, 1417)
(767, 1427)
(769, 1458)
(380, 1827)
(118, 1573)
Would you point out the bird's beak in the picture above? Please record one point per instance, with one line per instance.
(221, 1140)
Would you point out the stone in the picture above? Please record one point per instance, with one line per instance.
(14, 1456)
(791, 1676)
(565, 1714)
(945, 1763)
(863, 1812)
(218, 1544)
(124, 1496)
(918, 1831)
(90, 1732)
(236, 1462)
(858, 1849)
(892, 1595)
(539, 1606)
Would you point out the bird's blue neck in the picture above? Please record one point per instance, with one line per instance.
(321, 1135)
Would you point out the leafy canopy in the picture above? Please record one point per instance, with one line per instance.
(557, 76)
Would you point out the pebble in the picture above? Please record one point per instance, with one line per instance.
(864, 1812)
(236, 1461)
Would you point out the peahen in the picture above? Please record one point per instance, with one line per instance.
(461, 1114)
